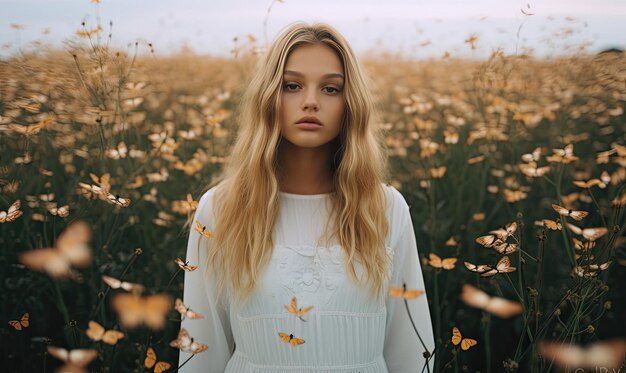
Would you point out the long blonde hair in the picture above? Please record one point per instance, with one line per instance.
(246, 199)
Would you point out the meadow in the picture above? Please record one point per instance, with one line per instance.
(514, 169)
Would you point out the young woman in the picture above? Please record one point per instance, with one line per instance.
(307, 238)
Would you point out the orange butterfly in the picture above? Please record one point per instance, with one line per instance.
(133, 309)
(185, 311)
(500, 307)
(436, 262)
(403, 292)
(22, 322)
(202, 230)
(466, 343)
(96, 332)
(591, 234)
(71, 248)
(186, 344)
(151, 361)
(550, 224)
(577, 215)
(75, 360)
(289, 338)
(590, 183)
(117, 284)
(486, 270)
(12, 213)
(185, 266)
(293, 308)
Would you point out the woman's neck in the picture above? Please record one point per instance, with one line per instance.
(305, 170)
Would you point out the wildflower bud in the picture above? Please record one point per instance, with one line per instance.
(590, 329)
(72, 323)
(100, 294)
(532, 292)
(138, 251)
(604, 287)
(557, 312)
(608, 304)
(510, 365)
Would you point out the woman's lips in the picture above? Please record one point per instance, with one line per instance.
(309, 125)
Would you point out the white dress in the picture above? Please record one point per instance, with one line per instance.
(344, 332)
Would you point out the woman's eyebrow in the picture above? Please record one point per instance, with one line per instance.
(330, 75)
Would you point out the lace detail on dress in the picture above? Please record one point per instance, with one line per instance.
(309, 269)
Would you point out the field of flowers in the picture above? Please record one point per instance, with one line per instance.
(514, 169)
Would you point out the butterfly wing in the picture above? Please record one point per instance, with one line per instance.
(466, 343)
(162, 366)
(72, 243)
(46, 260)
(296, 342)
(434, 260)
(413, 293)
(395, 292)
(95, 331)
(449, 263)
(456, 336)
(155, 310)
(150, 359)
(304, 311)
(129, 308)
(112, 336)
(16, 324)
(284, 337)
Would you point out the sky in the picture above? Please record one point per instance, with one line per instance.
(415, 28)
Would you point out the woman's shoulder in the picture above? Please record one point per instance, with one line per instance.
(395, 200)
(205, 210)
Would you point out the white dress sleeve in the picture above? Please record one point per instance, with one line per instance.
(403, 351)
(214, 329)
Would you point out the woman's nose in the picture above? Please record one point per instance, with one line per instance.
(310, 101)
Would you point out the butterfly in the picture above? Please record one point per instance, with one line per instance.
(134, 309)
(608, 354)
(186, 344)
(577, 215)
(565, 155)
(202, 230)
(75, 360)
(550, 224)
(185, 266)
(70, 248)
(96, 332)
(12, 213)
(505, 232)
(403, 292)
(436, 262)
(532, 157)
(23, 322)
(531, 169)
(61, 212)
(151, 361)
(591, 270)
(500, 307)
(117, 200)
(120, 151)
(492, 242)
(117, 284)
(289, 338)
(438, 172)
(590, 183)
(293, 308)
(591, 234)
(466, 343)
(185, 311)
(486, 270)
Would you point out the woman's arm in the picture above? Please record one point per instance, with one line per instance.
(199, 295)
(404, 352)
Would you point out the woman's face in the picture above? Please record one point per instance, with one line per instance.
(312, 87)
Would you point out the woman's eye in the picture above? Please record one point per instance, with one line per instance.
(331, 89)
(291, 86)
